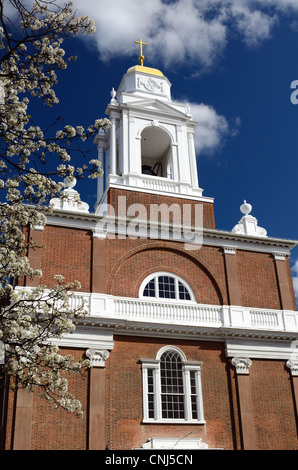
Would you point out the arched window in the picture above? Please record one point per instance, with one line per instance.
(171, 381)
(166, 286)
(172, 388)
(156, 152)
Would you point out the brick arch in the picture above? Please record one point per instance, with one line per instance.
(133, 267)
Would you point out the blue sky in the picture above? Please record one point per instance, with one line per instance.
(234, 62)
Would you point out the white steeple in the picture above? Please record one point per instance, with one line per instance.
(149, 146)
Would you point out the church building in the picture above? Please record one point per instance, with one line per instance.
(192, 331)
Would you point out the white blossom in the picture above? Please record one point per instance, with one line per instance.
(33, 164)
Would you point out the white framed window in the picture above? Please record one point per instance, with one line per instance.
(172, 391)
(166, 286)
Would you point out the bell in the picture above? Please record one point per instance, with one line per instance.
(147, 170)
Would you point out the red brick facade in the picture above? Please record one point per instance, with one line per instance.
(274, 413)
(117, 267)
(52, 428)
(124, 430)
(155, 200)
(67, 252)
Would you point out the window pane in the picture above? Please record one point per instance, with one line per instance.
(172, 393)
(149, 290)
(183, 292)
(166, 287)
(193, 393)
(150, 393)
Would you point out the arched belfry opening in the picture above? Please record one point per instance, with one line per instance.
(156, 152)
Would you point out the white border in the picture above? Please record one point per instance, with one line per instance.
(186, 368)
(169, 274)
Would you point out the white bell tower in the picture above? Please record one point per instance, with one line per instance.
(149, 146)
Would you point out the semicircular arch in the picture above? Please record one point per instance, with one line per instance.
(138, 263)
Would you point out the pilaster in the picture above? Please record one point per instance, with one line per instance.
(98, 262)
(292, 364)
(23, 420)
(231, 276)
(283, 281)
(97, 438)
(242, 366)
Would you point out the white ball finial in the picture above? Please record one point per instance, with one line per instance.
(245, 208)
(70, 182)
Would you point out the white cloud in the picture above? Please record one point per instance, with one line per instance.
(254, 26)
(212, 128)
(182, 31)
(176, 32)
(185, 32)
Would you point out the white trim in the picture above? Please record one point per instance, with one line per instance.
(179, 189)
(170, 348)
(229, 250)
(86, 338)
(169, 274)
(242, 365)
(279, 256)
(260, 348)
(293, 366)
(97, 357)
(215, 238)
(37, 227)
(159, 315)
(175, 443)
(187, 367)
(227, 241)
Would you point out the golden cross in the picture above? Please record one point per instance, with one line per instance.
(141, 56)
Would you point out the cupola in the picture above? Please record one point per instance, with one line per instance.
(149, 146)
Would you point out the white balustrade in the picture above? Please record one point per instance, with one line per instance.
(159, 184)
(191, 314)
(186, 313)
(167, 312)
(264, 319)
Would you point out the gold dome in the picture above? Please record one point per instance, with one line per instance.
(149, 70)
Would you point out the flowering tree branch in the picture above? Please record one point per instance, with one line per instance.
(32, 164)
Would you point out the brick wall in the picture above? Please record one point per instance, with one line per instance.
(258, 280)
(124, 394)
(129, 262)
(291, 285)
(56, 429)
(273, 405)
(273, 402)
(67, 251)
(146, 199)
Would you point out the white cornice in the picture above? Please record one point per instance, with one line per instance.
(253, 348)
(226, 240)
(190, 197)
(158, 107)
(99, 336)
(88, 337)
(244, 242)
